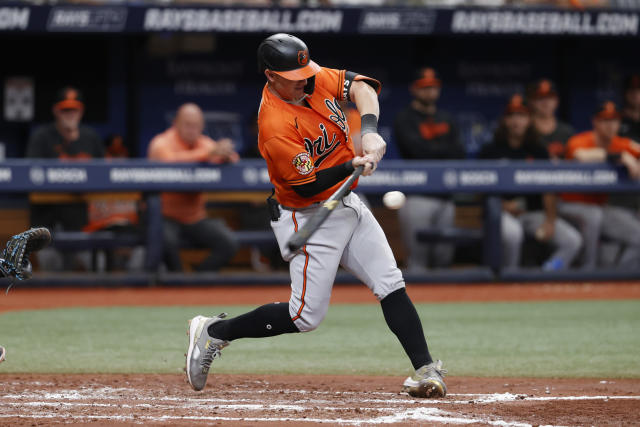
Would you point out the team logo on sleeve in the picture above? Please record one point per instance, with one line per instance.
(303, 163)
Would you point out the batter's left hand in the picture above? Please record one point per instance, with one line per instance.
(373, 147)
(365, 161)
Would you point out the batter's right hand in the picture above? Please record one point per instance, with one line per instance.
(367, 161)
(373, 145)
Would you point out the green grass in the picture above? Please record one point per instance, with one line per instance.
(542, 339)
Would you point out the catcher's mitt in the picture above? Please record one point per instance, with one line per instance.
(14, 260)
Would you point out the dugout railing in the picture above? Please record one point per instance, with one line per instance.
(487, 178)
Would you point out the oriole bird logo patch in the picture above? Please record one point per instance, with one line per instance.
(303, 163)
(303, 57)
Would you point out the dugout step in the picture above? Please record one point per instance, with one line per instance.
(577, 275)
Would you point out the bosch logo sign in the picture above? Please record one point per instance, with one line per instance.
(450, 178)
(37, 175)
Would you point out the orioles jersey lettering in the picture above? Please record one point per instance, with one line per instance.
(297, 141)
(338, 115)
(321, 147)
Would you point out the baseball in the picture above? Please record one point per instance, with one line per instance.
(394, 199)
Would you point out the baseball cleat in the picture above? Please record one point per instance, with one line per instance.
(202, 349)
(3, 353)
(427, 381)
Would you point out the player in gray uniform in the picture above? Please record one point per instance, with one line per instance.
(299, 107)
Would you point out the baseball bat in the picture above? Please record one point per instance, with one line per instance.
(301, 237)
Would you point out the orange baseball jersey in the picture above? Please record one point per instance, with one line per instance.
(586, 140)
(297, 141)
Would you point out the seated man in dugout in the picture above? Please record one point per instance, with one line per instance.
(533, 215)
(423, 131)
(592, 212)
(185, 215)
(543, 100)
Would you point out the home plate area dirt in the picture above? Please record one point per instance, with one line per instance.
(309, 400)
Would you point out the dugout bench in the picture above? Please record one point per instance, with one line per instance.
(108, 239)
(488, 178)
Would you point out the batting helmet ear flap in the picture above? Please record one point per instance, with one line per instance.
(310, 86)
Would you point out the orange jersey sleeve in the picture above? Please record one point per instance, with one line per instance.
(289, 160)
(339, 82)
(582, 140)
(620, 144)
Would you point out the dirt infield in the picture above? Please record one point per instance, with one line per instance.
(334, 400)
(25, 299)
(307, 400)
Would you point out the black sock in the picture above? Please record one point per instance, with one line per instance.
(402, 318)
(266, 321)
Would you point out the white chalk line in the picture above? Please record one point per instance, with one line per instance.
(391, 414)
(432, 415)
(108, 393)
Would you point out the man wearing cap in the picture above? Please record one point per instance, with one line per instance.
(591, 212)
(424, 132)
(553, 134)
(64, 139)
(532, 215)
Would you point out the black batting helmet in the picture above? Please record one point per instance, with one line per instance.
(287, 56)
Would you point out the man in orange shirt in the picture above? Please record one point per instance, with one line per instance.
(590, 212)
(304, 138)
(184, 214)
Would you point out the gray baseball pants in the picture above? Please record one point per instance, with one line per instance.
(350, 237)
(566, 240)
(588, 219)
(622, 225)
(420, 212)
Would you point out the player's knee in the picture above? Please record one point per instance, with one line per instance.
(381, 292)
(512, 238)
(310, 321)
(573, 240)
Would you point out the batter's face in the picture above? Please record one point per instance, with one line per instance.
(606, 128)
(544, 106)
(517, 124)
(289, 90)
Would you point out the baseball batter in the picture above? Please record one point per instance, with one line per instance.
(304, 138)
